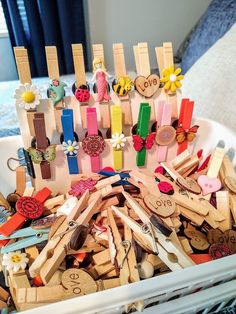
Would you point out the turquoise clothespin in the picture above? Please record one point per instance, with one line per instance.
(32, 237)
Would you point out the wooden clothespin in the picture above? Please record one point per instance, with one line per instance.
(165, 133)
(142, 139)
(182, 259)
(41, 151)
(70, 140)
(169, 76)
(184, 132)
(56, 90)
(210, 183)
(223, 206)
(20, 187)
(117, 137)
(146, 84)
(80, 88)
(148, 182)
(26, 91)
(93, 144)
(102, 86)
(122, 85)
(27, 207)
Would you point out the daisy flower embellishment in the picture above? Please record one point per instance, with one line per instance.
(27, 96)
(118, 141)
(70, 148)
(15, 261)
(171, 79)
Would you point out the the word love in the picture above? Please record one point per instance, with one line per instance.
(147, 86)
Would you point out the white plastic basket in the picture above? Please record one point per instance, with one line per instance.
(205, 288)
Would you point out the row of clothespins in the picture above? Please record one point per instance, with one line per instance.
(163, 133)
(146, 84)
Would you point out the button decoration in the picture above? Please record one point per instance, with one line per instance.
(93, 145)
(171, 79)
(70, 148)
(118, 141)
(15, 261)
(56, 91)
(27, 96)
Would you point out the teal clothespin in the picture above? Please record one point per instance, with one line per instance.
(32, 237)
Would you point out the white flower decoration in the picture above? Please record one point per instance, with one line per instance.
(70, 148)
(15, 260)
(118, 140)
(27, 96)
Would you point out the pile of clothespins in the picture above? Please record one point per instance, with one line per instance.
(114, 229)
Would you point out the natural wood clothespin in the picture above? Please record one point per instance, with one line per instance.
(81, 90)
(23, 69)
(56, 89)
(98, 52)
(222, 201)
(146, 84)
(123, 83)
(165, 59)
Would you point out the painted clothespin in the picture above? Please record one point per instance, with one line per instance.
(210, 183)
(27, 95)
(117, 137)
(27, 207)
(146, 84)
(93, 144)
(122, 85)
(170, 77)
(80, 88)
(142, 139)
(56, 90)
(32, 237)
(165, 133)
(184, 132)
(102, 86)
(41, 151)
(70, 140)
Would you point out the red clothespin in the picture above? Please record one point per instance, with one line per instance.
(184, 132)
(27, 207)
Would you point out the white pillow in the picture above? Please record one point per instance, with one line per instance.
(211, 82)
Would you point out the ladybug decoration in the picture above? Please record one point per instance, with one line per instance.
(165, 187)
(82, 93)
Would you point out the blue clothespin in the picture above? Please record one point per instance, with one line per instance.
(124, 176)
(32, 237)
(70, 140)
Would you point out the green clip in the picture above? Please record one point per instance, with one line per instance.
(143, 130)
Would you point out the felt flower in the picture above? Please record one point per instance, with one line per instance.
(27, 96)
(118, 140)
(171, 78)
(15, 261)
(70, 148)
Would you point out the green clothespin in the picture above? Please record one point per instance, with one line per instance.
(143, 140)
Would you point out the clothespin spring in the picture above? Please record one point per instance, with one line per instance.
(147, 228)
(127, 245)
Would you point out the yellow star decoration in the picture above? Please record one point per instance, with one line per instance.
(171, 79)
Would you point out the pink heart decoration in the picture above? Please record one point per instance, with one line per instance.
(209, 185)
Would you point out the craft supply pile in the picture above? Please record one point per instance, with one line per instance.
(117, 191)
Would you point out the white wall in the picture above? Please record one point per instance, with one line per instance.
(133, 21)
(7, 63)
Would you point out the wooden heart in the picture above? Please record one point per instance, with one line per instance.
(209, 185)
(189, 184)
(228, 238)
(147, 86)
(163, 206)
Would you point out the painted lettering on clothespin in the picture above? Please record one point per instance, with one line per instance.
(165, 133)
(123, 84)
(27, 95)
(102, 86)
(70, 144)
(146, 84)
(184, 132)
(41, 152)
(118, 139)
(93, 144)
(142, 139)
(80, 88)
(56, 90)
